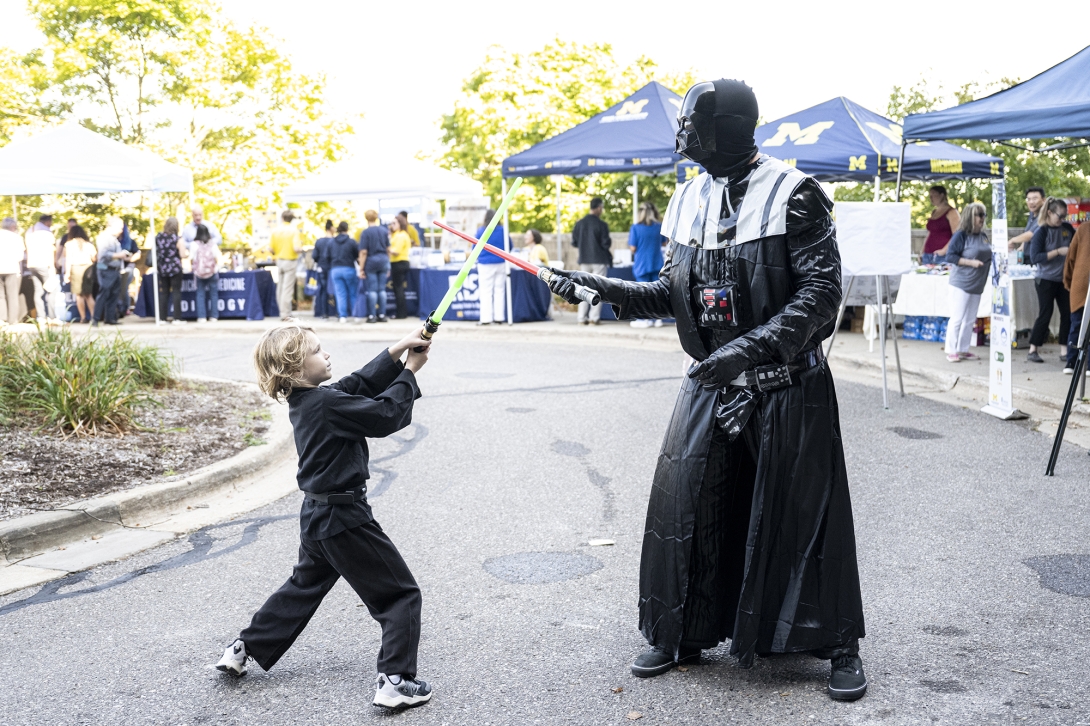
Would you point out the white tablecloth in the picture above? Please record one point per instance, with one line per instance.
(928, 295)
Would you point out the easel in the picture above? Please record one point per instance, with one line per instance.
(885, 313)
(1078, 383)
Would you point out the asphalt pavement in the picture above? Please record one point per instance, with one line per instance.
(975, 569)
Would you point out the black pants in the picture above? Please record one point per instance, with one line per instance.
(170, 288)
(368, 560)
(109, 283)
(399, 273)
(1047, 293)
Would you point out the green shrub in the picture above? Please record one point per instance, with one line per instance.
(79, 386)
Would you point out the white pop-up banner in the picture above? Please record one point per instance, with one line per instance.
(1000, 398)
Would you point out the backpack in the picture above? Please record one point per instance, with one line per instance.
(204, 260)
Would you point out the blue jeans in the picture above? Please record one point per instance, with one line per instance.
(931, 258)
(209, 289)
(344, 284)
(378, 269)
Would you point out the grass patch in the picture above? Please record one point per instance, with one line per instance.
(252, 439)
(79, 386)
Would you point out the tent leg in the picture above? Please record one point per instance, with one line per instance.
(893, 334)
(900, 168)
(882, 339)
(635, 198)
(840, 316)
(506, 264)
(559, 247)
(14, 209)
(877, 186)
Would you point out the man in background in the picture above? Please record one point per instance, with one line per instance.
(124, 300)
(189, 232)
(591, 237)
(286, 243)
(1035, 197)
(41, 261)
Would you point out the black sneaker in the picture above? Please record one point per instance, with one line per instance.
(1034, 358)
(655, 661)
(382, 318)
(371, 318)
(847, 682)
(397, 692)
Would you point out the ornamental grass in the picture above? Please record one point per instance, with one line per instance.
(78, 386)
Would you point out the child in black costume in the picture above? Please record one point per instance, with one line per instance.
(338, 535)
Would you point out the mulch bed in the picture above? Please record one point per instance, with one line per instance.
(197, 424)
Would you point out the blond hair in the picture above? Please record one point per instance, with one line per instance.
(278, 359)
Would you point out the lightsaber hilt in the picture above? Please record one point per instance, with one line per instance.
(584, 293)
(430, 329)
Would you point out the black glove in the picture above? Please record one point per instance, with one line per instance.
(718, 369)
(561, 285)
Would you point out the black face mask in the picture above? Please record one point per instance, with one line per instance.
(715, 126)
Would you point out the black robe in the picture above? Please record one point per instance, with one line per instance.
(749, 532)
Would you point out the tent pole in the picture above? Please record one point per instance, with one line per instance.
(559, 247)
(14, 209)
(900, 168)
(882, 338)
(506, 248)
(877, 186)
(893, 334)
(635, 198)
(155, 261)
(840, 315)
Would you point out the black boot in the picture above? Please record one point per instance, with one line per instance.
(655, 661)
(847, 682)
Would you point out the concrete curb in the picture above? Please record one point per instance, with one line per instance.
(36, 533)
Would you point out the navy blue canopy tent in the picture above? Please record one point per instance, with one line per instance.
(840, 141)
(1055, 103)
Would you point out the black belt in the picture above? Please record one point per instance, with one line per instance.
(771, 377)
(352, 495)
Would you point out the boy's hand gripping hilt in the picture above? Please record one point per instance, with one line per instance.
(430, 328)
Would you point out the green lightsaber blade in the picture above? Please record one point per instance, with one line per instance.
(441, 310)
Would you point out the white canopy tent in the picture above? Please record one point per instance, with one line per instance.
(71, 159)
(382, 179)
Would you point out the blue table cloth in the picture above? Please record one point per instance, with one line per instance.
(250, 294)
(530, 297)
(412, 296)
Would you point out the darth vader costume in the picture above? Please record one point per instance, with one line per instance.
(749, 533)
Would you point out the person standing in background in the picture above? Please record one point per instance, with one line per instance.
(206, 262)
(375, 265)
(189, 233)
(58, 259)
(124, 300)
(110, 259)
(80, 256)
(343, 255)
(591, 237)
(11, 273)
(491, 280)
(941, 224)
(1035, 197)
(1077, 280)
(1048, 250)
(535, 251)
(645, 241)
(970, 251)
(400, 244)
(409, 228)
(286, 243)
(320, 256)
(170, 248)
(41, 262)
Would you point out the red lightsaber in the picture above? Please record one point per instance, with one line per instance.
(542, 273)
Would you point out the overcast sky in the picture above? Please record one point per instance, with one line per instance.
(402, 63)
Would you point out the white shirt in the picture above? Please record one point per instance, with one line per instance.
(11, 252)
(189, 233)
(40, 247)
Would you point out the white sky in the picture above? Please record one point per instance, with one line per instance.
(402, 63)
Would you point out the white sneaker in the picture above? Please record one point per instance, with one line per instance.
(234, 659)
(658, 323)
(641, 323)
(178, 321)
(342, 320)
(398, 692)
(201, 321)
(1069, 371)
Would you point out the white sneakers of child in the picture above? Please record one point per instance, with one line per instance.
(399, 692)
(234, 659)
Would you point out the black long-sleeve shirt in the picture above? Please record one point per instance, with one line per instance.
(591, 237)
(332, 424)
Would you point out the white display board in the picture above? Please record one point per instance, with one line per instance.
(874, 239)
(464, 214)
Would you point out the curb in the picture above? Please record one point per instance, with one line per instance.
(33, 534)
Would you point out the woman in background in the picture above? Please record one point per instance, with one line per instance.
(1048, 250)
(645, 240)
(535, 251)
(170, 248)
(970, 251)
(400, 244)
(320, 256)
(80, 256)
(491, 280)
(940, 226)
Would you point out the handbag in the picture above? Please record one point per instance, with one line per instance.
(90, 281)
(310, 289)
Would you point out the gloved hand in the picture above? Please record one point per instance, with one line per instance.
(563, 286)
(718, 369)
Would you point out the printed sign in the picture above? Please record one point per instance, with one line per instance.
(1000, 398)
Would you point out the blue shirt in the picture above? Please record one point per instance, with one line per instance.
(647, 239)
(321, 253)
(375, 241)
(496, 240)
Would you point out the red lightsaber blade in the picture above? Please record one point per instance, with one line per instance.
(542, 273)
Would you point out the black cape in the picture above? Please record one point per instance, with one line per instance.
(798, 584)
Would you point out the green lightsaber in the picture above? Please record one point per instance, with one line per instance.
(431, 324)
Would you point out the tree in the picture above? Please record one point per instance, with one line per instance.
(1061, 173)
(514, 100)
(176, 77)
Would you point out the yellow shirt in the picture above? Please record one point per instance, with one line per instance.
(413, 235)
(400, 242)
(539, 255)
(285, 239)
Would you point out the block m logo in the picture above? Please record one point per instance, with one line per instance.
(857, 163)
(630, 108)
(798, 135)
